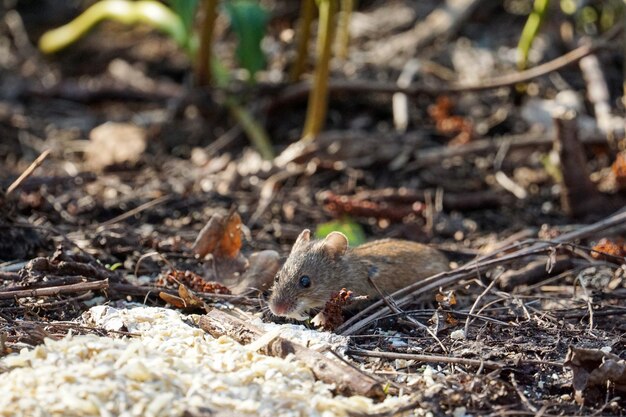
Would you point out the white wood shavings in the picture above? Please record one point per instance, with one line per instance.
(168, 368)
(313, 339)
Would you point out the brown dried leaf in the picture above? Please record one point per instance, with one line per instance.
(189, 298)
(331, 316)
(593, 367)
(339, 205)
(172, 300)
(194, 282)
(209, 237)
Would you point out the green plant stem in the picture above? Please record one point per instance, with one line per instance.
(343, 31)
(318, 97)
(307, 12)
(531, 28)
(150, 12)
(252, 128)
(202, 67)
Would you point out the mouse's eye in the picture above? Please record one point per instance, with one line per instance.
(276, 278)
(305, 281)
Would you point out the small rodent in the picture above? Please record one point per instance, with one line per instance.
(315, 269)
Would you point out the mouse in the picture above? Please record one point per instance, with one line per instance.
(318, 268)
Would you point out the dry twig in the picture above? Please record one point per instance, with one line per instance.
(52, 291)
(299, 91)
(348, 381)
(28, 172)
(370, 314)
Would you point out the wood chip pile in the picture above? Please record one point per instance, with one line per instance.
(166, 367)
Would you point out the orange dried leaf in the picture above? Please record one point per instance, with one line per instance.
(230, 242)
(452, 298)
(619, 169)
(446, 299)
(449, 124)
(608, 247)
(213, 287)
(451, 320)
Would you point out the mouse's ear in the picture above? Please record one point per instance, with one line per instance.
(303, 238)
(335, 244)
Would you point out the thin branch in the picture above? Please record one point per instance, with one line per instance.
(477, 301)
(52, 291)
(298, 91)
(28, 172)
(426, 358)
(390, 302)
(374, 312)
(136, 210)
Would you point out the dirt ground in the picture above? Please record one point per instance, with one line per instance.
(138, 161)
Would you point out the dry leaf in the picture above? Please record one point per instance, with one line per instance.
(230, 242)
(331, 316)
(209, 237)
(195, 282)
(594, 367)
(212, 287)
(608, 247)
(114, 144)
(451, 320)
(446, 300)
(437, 322)
(220, 236)
(619, 169)
(172, 300)
(449, 124)
(191, 300)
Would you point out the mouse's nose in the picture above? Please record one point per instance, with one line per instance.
(279, 308)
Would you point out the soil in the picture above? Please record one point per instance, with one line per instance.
(473, 173)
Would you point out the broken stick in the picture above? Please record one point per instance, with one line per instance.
(347, 380)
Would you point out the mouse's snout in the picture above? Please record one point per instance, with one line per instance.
(288, 309)
(280, 308)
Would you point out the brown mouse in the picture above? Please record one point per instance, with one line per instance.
(315, 269)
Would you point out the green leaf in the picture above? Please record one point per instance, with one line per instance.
(386, 388)
(531, 28)
(186, 10)
(552, 168)
(147, 12)
(249, 21)
(353, 231)
(114, 266)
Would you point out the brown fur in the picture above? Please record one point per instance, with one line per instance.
(331, 266)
